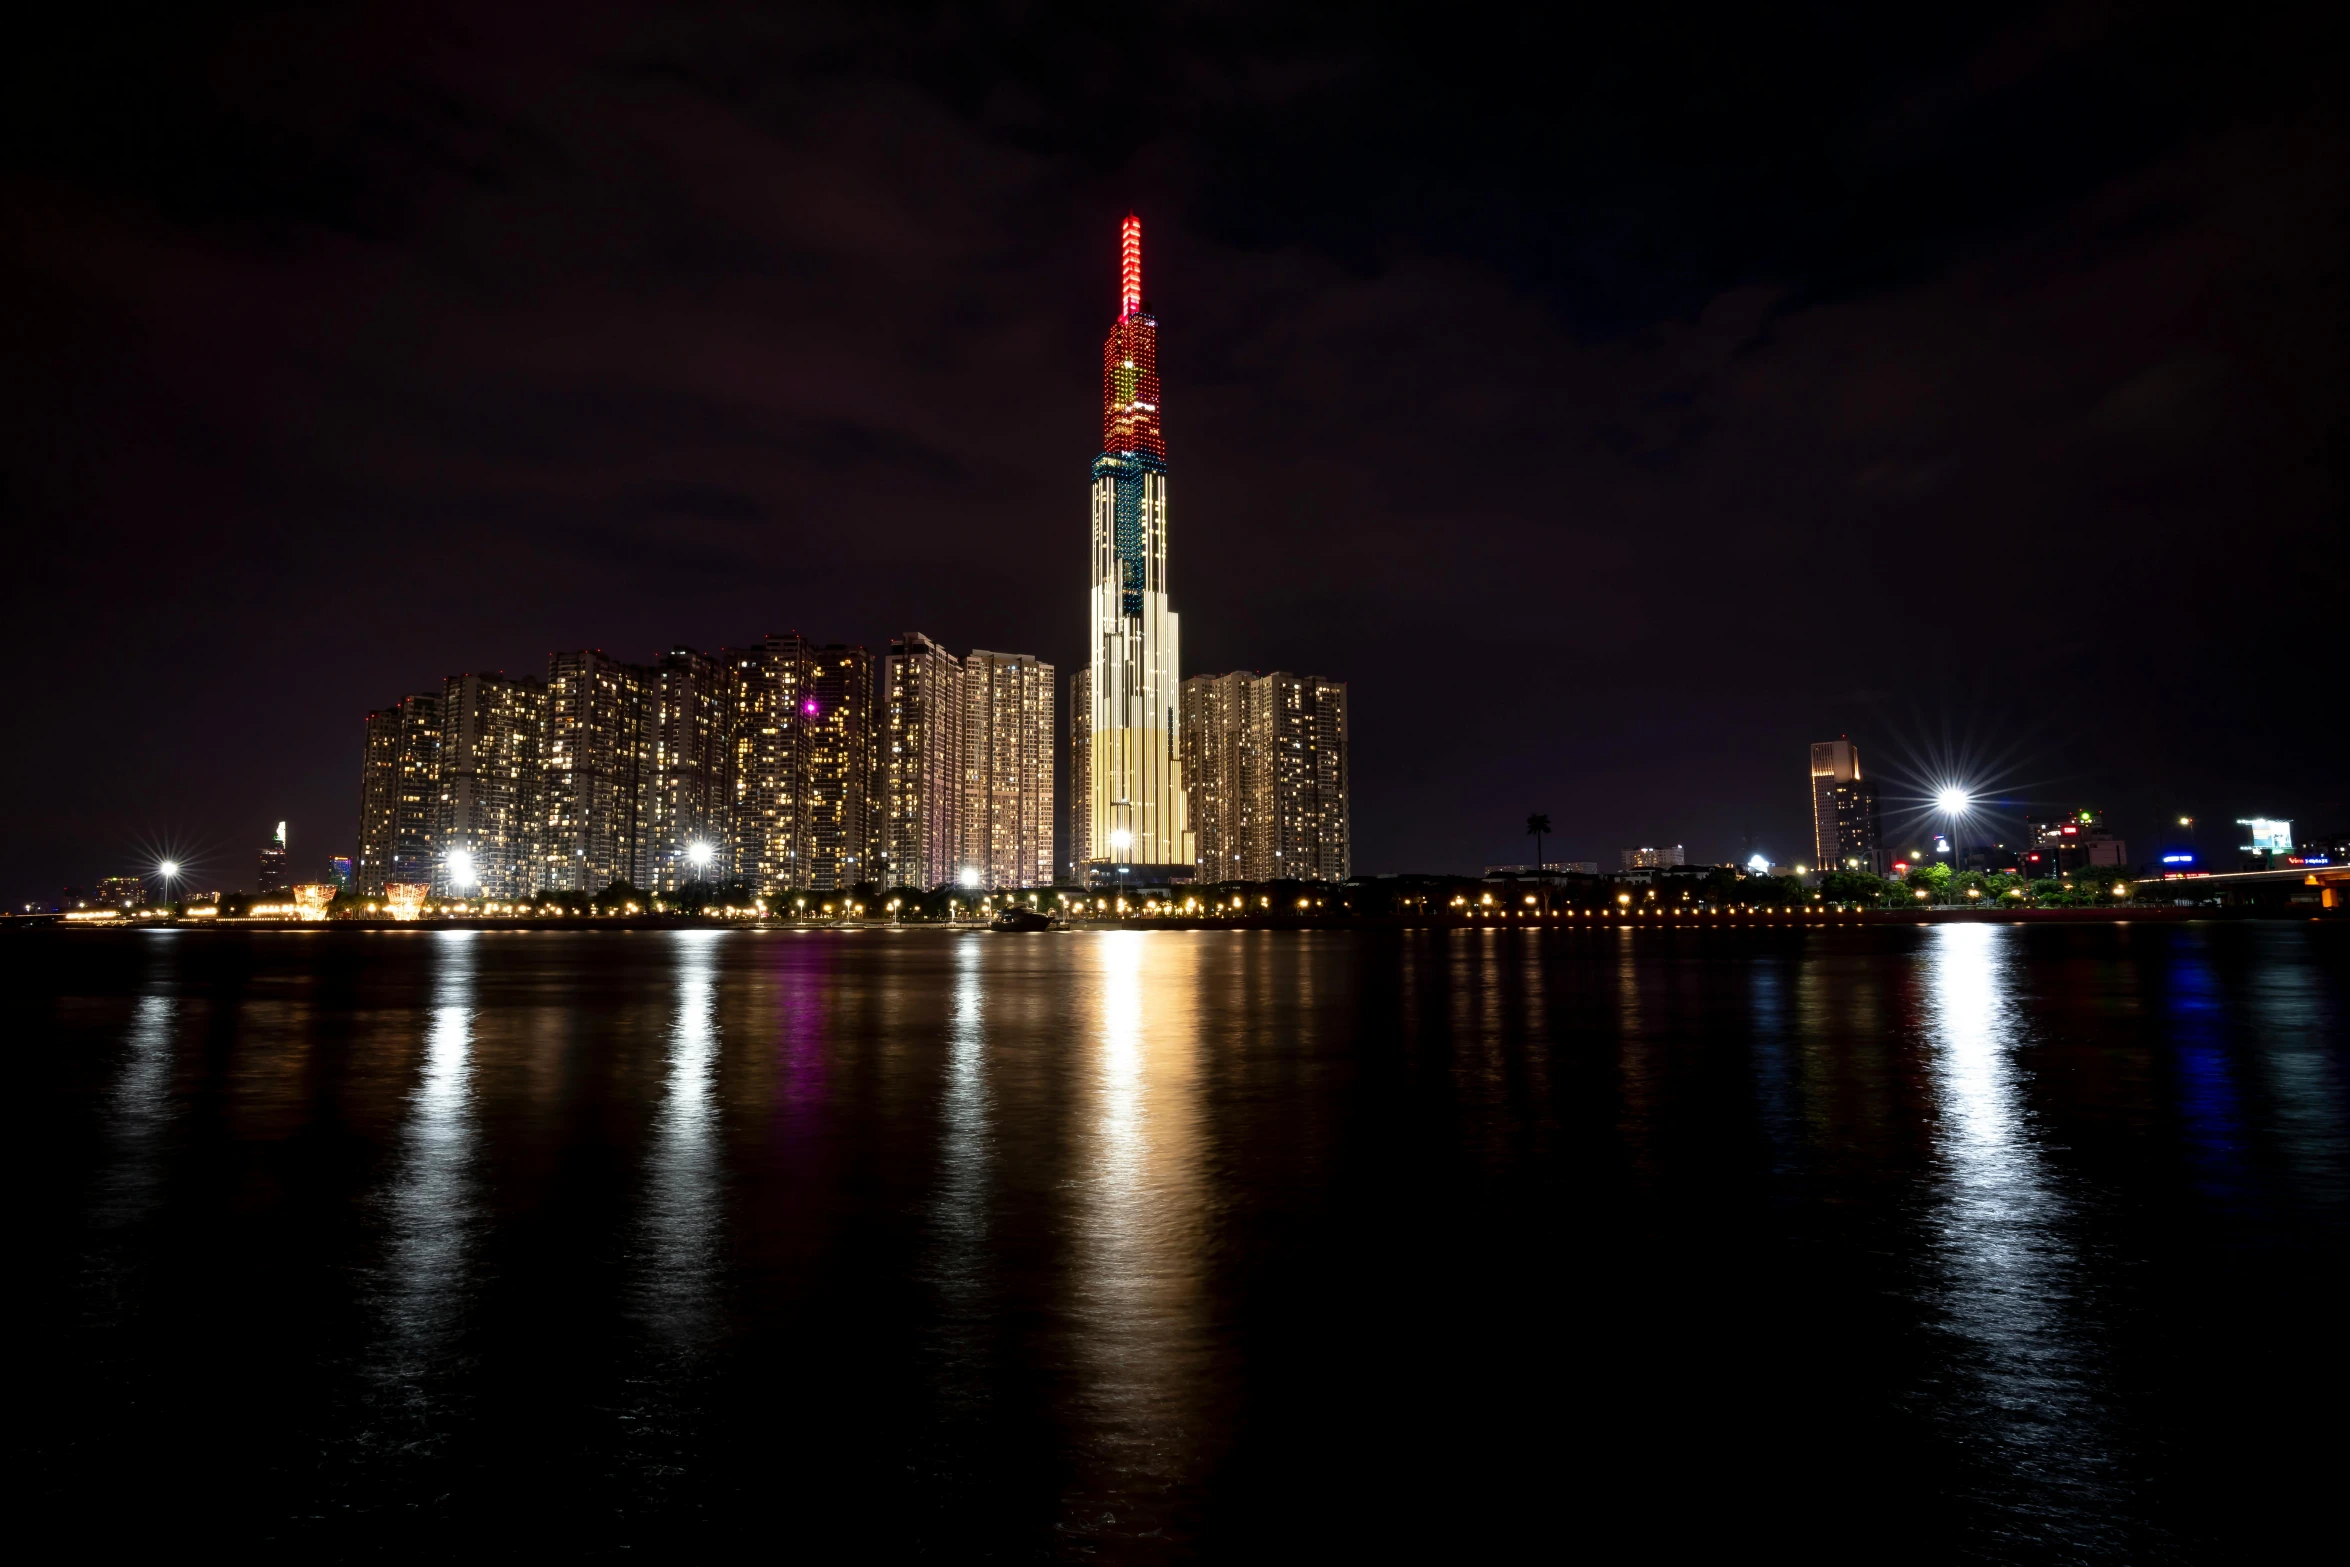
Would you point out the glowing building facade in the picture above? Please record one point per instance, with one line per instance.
(1008, 770)
(399, 794)
(1138, 816)
(1843, 811)
(489, 781)
(1265, 763)
(922, 763)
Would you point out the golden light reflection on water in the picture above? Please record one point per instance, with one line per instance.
(1139, 1219)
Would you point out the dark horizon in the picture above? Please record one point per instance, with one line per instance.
(1618, 406)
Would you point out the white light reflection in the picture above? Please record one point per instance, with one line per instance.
(1140, 1231)
(141, 1105)
(682, 1205)
(432, 1201)
(2010, 1279)
(959, 1213)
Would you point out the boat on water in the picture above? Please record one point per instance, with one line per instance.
(1021, 919)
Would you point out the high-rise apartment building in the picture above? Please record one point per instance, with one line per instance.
(1138, 816)
(597, 741)
(687, 797)
(399, 794)
(838, 746)
(1649, 858)
(1265, 764)
(1843, 811)
(1008, 769)
(922, 764)
(489, 785)
(808, 799)
(1077, 849)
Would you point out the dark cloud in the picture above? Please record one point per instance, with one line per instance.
(1619, 402)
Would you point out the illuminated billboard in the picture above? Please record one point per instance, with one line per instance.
(2268, 837)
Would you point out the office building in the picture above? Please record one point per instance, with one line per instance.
(922, 764)
(1008, 770)
(490, 774)
(687, 796)
(1265, 763)
(1651, 859)
(399, 794)
(274, 874)
(1844, 828)
(119, 892)
(595, 745)
(1138, 818)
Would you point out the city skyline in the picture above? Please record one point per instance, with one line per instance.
(1663, 491)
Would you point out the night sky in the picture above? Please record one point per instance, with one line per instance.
(1620, 402)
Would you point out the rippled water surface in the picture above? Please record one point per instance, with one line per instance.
(1928, 1242)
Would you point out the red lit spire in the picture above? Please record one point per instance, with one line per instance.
(1130, 361)
(1130, 268)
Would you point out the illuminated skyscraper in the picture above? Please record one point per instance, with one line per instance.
(489, 782)
(274, 876)
(686, 796)
(1843, 811)
(597, 740)
(1138, 817)
(806, 786)
(922, 763)
(1079, 847)
(1008, 770)
(399, 794)
(1265, 763)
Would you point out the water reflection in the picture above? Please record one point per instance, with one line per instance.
(130, 1182)
(959, 1212)
(2009, 1285)
(682, 1200)
(1139, 1227)
(2293, 1018)
(432, 1203)
(2209, 1103)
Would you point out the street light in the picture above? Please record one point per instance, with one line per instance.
(1952, 802)
(699, 855)
(461, 869)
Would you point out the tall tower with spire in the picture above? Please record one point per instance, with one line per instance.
(1139, 820)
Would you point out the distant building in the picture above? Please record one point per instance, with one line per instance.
(922, 764)
(1844, 828)
(687, 796)
(1079, 847)
(1547, 868)
(595, 746)
(274, 874)
(491, 732)
(120, 892)
(2079, 840)
(1008, 770)
(399, 793)
(838, 750)
(1265, 761)
(1648, 859)
(338, 871)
